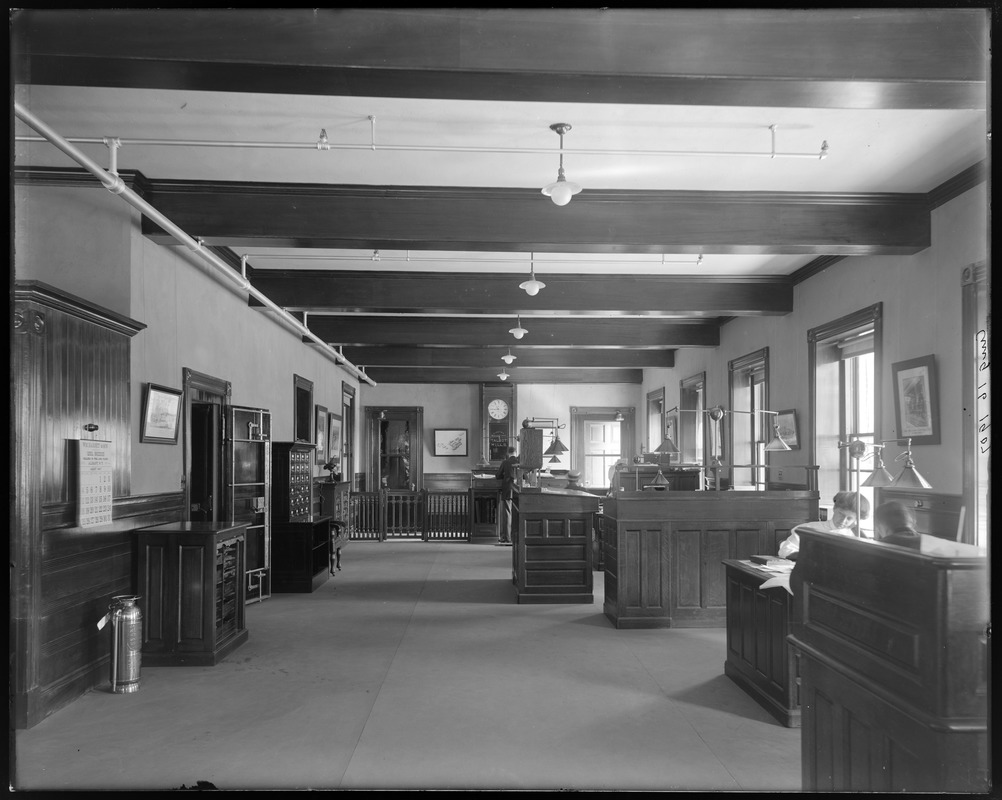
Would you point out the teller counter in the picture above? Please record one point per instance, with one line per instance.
(552, 545)
(663, 551)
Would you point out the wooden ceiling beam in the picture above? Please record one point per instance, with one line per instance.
(383, 375)
(821, 58)
(356, 331)
(588, 357)
(493, 293)
(519, 220)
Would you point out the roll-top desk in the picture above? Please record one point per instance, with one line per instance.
(894, 660)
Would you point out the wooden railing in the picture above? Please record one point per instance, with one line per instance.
(438, 516)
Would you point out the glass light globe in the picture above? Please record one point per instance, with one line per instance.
(503, 375)
(518, 333)
(561, 194)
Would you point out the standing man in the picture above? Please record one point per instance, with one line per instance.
(507, 473)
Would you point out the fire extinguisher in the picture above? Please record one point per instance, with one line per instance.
(126, 643)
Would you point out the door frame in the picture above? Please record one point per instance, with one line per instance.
(201, 388)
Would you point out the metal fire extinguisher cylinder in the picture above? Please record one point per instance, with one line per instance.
(126, 643)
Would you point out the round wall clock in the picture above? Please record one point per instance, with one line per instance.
(498, 409)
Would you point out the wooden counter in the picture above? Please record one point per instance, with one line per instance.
(663, 551)
(191, 589)
(552, 544)
(759, 659)
(894, 665)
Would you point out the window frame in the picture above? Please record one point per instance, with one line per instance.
(581, 414)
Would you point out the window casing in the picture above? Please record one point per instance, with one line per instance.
(598, 441)
(749, 394)
(691, 430)
(655, 419)
(844, 358)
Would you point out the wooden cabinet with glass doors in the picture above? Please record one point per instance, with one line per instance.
(248, 483)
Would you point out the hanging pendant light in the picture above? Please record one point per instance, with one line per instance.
(518, 331)
(556, 446)
(508, 358)
(561, 190)
(531, 287)
(503, 375)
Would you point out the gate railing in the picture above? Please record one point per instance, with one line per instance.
(438, 516)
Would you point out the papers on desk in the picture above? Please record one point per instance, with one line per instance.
(782, 580)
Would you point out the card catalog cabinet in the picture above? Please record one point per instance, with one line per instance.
(301, 540)
(248, 481)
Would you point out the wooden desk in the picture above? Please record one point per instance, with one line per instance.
(894, 665)
(191, 589)
(551, 545)
(759, 659)
(663, 550)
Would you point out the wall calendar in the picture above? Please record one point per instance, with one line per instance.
(93, 482)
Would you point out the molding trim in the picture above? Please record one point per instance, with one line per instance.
(961, 182)
(57, 299)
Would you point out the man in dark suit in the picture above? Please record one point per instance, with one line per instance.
(507, 473)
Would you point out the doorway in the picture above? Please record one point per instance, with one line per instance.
(205, 402)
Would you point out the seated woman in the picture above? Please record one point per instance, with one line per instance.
(893, 523)
(843, 518)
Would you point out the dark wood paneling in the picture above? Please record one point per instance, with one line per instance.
(502, 220)
(820, 58)
(71, 360)
(493, 293)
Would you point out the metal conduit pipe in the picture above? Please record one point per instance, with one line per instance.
(115, 185)
(433, 148)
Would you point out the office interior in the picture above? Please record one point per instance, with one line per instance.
(302, 236)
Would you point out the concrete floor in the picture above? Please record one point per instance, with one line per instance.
(414, 668)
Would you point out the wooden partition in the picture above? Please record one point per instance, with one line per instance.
(70, 367)
(894, 654)
(663, 551)
(551, 545)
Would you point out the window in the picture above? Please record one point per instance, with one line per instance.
(844, 360)
(655, 419)
(599, 440)
(749, 394)
(691, 432)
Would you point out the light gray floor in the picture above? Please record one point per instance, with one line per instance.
(414, 668)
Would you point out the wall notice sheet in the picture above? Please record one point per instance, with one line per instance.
(94, 482)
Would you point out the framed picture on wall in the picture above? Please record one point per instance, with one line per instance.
(451, 442)
(787, 428)
(916, 400)
(321, 429)
(161, 415)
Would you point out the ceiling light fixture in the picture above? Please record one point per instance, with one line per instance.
(518, 331)
(619, 416)
(508, 358)
(531, 287)
(503, 375)
(561, 190)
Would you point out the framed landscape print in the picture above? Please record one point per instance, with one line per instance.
(916, 400)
